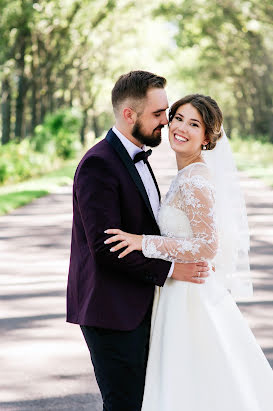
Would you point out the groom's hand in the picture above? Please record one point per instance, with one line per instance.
(191, 272)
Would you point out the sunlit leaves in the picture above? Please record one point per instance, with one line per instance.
(233, 49)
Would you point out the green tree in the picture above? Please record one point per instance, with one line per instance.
(230, 47)
(56, 54)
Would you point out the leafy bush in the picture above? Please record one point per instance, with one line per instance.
(20, 161)
(56, 139)
(59, 134)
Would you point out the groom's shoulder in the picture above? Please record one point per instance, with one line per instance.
(100, 149)
(100, 154)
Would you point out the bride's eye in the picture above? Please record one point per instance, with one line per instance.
(178, 118)
(194, 125)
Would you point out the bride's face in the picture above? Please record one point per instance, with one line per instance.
(187, 131)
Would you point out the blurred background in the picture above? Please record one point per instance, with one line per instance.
(59, 60)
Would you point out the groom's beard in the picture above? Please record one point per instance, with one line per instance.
(150, 140)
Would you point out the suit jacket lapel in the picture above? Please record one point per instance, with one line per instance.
(152, 174)
(129, 164)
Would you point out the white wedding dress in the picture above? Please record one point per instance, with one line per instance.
(203, 355)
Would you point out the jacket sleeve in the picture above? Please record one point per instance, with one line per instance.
(97, 194)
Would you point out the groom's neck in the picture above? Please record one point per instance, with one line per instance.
(127, 133)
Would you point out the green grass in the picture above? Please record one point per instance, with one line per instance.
(19, 194)
(255, 157)
(9, 202)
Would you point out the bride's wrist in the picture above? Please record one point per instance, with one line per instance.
(142, 242)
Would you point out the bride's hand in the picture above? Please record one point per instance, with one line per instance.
(131, 241)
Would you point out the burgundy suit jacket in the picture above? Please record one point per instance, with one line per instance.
(102, 290)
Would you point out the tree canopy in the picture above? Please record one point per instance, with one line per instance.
(68, 53)
(225, 48)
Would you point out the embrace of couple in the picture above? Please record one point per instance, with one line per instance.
(151, 284)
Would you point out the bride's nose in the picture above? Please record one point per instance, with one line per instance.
(183, 127)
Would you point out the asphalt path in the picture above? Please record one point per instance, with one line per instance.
(45, 363)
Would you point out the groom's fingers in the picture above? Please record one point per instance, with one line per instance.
(201, 269)
(201, 275)
(197, 281)
(202, 264)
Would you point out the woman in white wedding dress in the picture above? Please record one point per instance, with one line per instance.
(203, 355)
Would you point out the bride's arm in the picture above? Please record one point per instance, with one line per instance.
(197, 201)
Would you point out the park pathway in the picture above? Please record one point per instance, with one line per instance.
(44, 361)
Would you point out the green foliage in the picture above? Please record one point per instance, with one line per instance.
(59, 134)
(68, 53)
(16, 195)
(55, 140)
(224, 49)
(20, 161)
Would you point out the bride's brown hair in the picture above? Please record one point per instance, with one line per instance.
(210, 112)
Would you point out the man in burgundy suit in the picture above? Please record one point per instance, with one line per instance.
(114, 187)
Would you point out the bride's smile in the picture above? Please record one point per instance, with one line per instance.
(180, 138)
(187, 134)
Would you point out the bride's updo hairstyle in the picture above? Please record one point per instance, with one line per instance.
(210, 112)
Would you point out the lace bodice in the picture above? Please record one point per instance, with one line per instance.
(186, 219)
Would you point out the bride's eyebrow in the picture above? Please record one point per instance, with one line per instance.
(192, 119)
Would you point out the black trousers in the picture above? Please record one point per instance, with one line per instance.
(120, 359)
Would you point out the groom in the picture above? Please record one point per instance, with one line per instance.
(111, 298)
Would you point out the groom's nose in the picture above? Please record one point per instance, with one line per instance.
(164, 120)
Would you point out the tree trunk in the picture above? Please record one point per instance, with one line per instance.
(20, 100)
(71, 98)
(83, 127)
(228, 126)
(49, 90)
(96, 127)
(33, 100)
(51, 98)
(6, 110)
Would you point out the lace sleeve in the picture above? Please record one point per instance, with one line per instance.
(195, 198)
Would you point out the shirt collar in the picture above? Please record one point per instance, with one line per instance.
(130, 147)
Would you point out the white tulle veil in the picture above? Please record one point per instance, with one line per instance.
(232, 260)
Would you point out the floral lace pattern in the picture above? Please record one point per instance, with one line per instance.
(186, 219)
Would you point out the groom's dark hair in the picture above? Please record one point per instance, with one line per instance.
(135, 85)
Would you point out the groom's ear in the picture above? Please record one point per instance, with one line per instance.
(129, 115)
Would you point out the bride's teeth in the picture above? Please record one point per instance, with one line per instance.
(180, 138)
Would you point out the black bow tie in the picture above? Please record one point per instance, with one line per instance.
(142, 155)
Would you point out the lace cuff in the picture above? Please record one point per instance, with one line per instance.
(150, 250)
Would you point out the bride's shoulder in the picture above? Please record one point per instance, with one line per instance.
(195, 169)
(197, 174)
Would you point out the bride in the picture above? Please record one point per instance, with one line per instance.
(203, 355)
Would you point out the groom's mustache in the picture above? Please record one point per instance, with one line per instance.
(159, 128)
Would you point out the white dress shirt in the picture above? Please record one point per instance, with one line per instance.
(145, 175)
